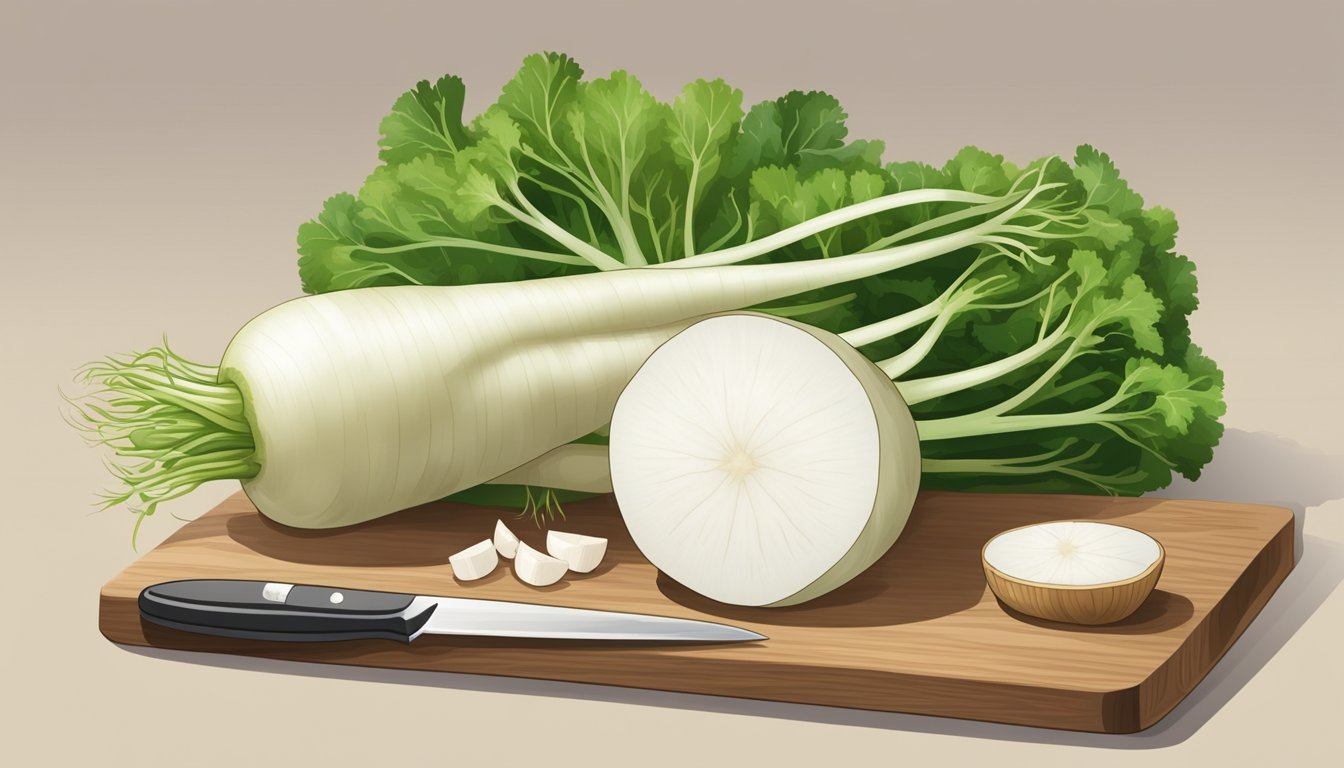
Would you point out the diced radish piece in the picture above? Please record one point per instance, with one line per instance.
(474, 562)
(536, 568)
(582, 553)
(506, 544)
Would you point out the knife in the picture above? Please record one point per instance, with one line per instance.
(263, 610)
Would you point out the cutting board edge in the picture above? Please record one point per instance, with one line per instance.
(1269, 569)
(1079, 710)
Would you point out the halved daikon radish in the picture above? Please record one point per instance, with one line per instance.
(759, 461)
(475, 561)
(505, 542)
(536, 568)
(582, 553)
(1076, 571)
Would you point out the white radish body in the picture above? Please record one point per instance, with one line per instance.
(369, 401)
(761, 462)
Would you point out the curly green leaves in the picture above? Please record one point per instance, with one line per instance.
(1068, 295)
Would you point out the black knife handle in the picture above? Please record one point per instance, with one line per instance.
(261, 610)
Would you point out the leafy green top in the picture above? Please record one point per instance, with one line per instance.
(1053, 355)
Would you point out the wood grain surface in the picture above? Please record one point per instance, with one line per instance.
(919, 632)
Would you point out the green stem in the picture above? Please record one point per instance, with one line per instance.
(579, 202)
(892, 326)
(938, 223)
(688, 229)
(799, 310)
(818, 224)
(733, 230)
(573, 177)
(977, 425)
(618, 213)
(1021, 465)
(1105, 483)
(930, 387)
(479, 245)
(913, 355)
(541, 222)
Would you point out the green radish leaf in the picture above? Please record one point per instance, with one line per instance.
(865, 185)
(810, 121)
(704, 117)
(975, 170)
(427, 119)
(540, 97)
(1158, 228)
(782, 131)
(1105, 188)
(761, 142)
(859, 155)
(1143, 311)
(616, 124)
(913, 175)
(327, 247)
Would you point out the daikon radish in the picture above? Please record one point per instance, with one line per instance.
(343, 407)
(759, 461)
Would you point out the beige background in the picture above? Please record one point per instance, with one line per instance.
(157, 157)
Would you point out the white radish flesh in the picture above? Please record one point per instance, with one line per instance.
(506, 544)
(536, 568)
(365, 402)
(474, 562)
(759, 461)
(1073, 553)
(582, 553)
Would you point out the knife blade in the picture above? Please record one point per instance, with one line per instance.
(265, 610)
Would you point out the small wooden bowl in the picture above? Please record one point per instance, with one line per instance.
(1090, 604)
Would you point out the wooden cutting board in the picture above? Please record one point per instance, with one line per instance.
(919, 632)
